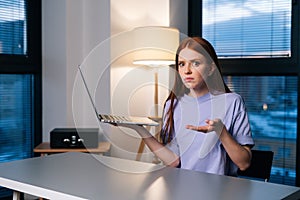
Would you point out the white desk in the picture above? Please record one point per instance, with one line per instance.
(81, 176)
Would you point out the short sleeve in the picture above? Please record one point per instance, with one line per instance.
(240, 129)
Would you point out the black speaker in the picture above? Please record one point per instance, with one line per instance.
(74, 138)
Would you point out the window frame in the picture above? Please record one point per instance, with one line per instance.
(30, 64)
(258, 66)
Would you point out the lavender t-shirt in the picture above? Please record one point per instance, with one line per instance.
(203, 151)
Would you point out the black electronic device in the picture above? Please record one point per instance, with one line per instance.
(74, 138)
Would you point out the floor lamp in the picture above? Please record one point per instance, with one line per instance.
(155, 64)
(155, 46)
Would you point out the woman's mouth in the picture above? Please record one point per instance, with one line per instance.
(188, 79)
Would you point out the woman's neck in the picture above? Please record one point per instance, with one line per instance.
(198, 93)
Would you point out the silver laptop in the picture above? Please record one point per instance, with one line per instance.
(105, 118)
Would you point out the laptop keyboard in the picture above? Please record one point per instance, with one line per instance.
(115, 118)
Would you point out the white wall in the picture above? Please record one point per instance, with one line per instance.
(179, 15)
(71, 29)
(134, 14)
(54, 65)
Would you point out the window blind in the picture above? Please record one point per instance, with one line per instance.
(16, 116)
(13, 27)
(248, 28)
(271, 103)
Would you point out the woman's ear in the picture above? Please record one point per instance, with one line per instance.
(212, 68)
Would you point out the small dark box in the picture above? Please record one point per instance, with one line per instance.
(74, 138)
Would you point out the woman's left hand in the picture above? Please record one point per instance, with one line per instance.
(212, 125)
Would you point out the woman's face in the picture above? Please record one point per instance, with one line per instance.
(193, 69)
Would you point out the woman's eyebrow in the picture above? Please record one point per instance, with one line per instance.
(193, 60)
(184, 59)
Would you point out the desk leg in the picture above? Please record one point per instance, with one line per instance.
(140, 150)
(16, 195)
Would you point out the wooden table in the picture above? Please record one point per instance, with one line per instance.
(44, 149)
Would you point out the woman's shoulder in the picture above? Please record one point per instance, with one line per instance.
(232, 97)
(229, 95)
(235, 99)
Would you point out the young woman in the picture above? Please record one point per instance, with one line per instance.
(205, 126)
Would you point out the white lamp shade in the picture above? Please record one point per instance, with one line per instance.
(155, 45)
(154, 62)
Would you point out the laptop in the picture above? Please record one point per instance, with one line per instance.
(107, 118)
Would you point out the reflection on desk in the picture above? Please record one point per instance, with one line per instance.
(89, 176)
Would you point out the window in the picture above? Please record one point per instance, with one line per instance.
(258, 50)
(16, 122)
(255, 29)
(20, 80)
(271, 103)
(13, 35)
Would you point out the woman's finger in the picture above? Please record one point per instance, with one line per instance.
(197, 128)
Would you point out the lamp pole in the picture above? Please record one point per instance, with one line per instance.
(155, 94)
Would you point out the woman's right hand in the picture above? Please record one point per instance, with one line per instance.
(141, 130)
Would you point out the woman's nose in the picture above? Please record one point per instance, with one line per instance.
(187, 69)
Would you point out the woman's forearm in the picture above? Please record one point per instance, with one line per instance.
(163, 153)
(240, 155)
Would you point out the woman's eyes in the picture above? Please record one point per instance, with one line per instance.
(181, 64)
(194, 63)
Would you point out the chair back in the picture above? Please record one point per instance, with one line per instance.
(260, 167)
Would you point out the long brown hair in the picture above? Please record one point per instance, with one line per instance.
(203, 47)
